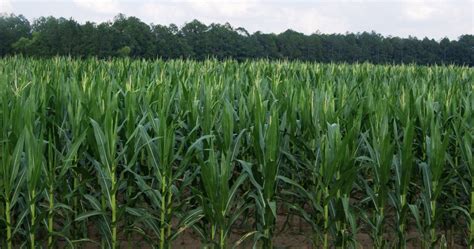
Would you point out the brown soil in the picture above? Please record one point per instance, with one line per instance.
(296, 236)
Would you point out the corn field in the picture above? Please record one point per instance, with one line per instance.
(95, 154)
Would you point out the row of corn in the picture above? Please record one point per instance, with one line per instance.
(152, 150)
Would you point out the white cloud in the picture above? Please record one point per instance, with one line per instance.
(310, 20)
(228, 8)
(179, 12)
(420, 10)
(161, 13)
(432, 18)
(6, 6)
(254, 15)
(100, 6)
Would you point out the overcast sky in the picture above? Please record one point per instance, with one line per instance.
(420, 18)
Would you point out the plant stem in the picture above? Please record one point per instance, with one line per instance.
(380, 232)
(433, 229)
(114, 209)
(267, 243)
(104, 207)
(50, 216)
(75, 206)
(326, 219)
(222, 239)
(163, 214)
(33, 219)
(168, 214)
(471, 240)
(9, 225)
(114, 222)
(401, 222)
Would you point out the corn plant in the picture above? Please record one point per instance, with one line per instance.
(380, 155)
(35, 162)
(12, 172)
(107, 169)
(219, 202)
(162, 159)
(433, 178)
(403, 172)
(336, 174)
(170, 176)
(468, 154)
(123, 153)
(219, 198)
(265, 173)
(465, 141)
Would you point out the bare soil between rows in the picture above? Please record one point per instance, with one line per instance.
(291, 233)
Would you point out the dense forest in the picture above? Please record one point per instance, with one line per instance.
(129, 36)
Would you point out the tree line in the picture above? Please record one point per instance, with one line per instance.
(129, 36)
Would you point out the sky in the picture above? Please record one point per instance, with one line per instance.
(421, 18)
